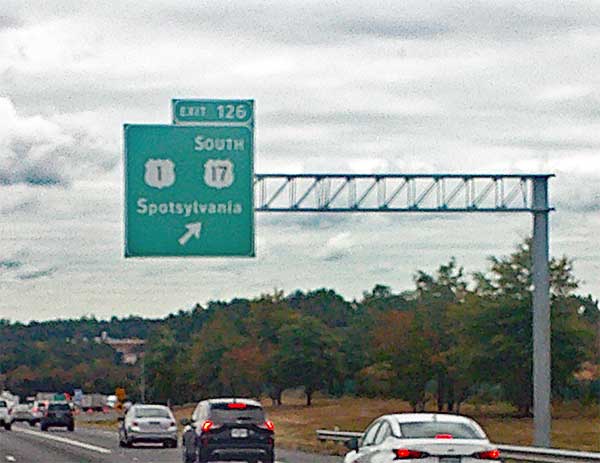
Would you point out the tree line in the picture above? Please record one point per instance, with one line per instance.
(453, 337)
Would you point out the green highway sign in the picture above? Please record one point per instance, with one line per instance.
(189, 191)
(213, 112)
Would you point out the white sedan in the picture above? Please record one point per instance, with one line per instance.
(422, 438)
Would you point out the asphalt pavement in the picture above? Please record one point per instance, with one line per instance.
(25, 444)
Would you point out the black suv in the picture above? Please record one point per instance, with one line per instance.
(228, 430)
(58, 414)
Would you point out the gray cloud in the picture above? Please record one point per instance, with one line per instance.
(395, 28)
(335, 257)
(544, 145)
(340, 87)
(36, 275)
(27, 205)
(10, 264)
(9, 22)
(41, 152)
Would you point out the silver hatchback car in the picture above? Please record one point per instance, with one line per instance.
(148, 424)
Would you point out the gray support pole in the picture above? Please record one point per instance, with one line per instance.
(541, 315)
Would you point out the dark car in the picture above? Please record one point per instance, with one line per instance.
(58, 415)
(228, 430)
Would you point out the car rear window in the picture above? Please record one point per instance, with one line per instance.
(223, 413)
(152, 413)
(61, 407)
(2, 404)
(431, 429)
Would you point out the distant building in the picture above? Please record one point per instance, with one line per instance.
(131, 349)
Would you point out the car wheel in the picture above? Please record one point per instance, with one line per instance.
(71, 427)
(8, 426)
(32, 423)
(44, 428)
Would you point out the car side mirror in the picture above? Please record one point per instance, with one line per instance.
(185, 422)
(352, 444)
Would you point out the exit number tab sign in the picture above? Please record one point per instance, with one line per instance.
(213, 112)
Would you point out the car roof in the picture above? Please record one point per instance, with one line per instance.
(428, 417)
(150, 406)
(224, 400)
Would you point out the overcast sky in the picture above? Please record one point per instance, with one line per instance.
(344, 86)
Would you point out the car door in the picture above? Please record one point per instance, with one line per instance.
(366, 443)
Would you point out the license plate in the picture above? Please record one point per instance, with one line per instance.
(239, 433)
(449, 459)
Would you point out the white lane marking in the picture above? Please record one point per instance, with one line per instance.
(10, 458)
(64, 440)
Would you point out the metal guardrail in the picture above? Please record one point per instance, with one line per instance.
(511, 452)
(338, 436)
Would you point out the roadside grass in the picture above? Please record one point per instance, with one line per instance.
(574, 425)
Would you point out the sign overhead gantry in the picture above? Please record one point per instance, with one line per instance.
(437, 193)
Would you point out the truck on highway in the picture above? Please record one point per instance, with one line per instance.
(45, 396)
(95, 402)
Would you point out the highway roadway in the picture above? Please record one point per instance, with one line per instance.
(94, 445)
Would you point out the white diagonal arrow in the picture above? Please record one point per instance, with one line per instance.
(193, 229)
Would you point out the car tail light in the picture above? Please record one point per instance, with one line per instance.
(268, 425)
(405, 454)
(34, 409)
(488, 455)
(443, 436)
(207, 426)
(237, 406)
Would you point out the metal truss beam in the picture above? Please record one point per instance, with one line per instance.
(396, 192)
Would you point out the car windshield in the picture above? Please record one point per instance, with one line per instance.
(154, 412)
(222, 413)
(431, 429)
(61, 407)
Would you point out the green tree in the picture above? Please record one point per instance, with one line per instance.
(435, 296)
(307, 355)
(495, 326)
(160, 364)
